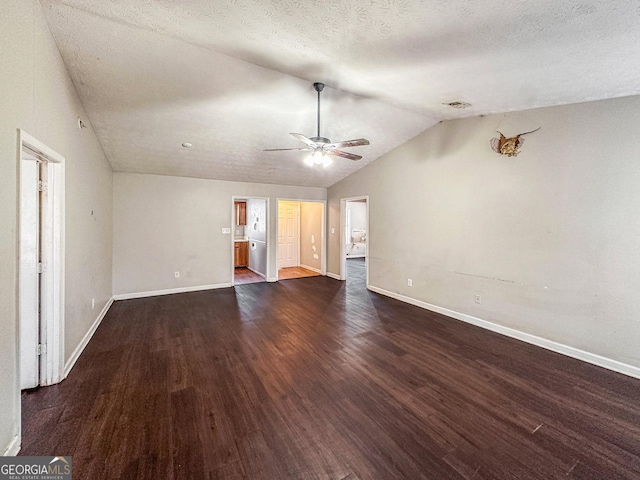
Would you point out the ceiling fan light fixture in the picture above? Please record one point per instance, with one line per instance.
(317, 157)
(321, 147)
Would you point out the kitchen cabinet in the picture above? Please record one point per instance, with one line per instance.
(241, 213)
(241, 254)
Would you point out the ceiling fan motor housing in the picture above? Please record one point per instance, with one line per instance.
(322, 146)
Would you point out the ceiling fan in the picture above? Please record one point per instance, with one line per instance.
(321, 147)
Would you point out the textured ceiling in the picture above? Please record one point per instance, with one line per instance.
(233, 77)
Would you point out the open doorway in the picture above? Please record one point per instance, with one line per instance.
(250, 239)
(41, 265)
(300, 251)
(354, 239)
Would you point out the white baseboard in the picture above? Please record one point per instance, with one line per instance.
(13, 448)
(588, 357)
(272, 279)
(257, 273)
(317, 270)
(169, 291)
(333, 275)
(85, 340)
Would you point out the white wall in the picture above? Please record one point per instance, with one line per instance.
(256, 228)
(311, 220)
(358, 217)
(38, 97)
(356, 212)
(164, 224)
(549, 239)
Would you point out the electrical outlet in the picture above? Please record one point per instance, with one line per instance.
(478, 298)
(333, 230)
(410, 282)
(93, 303)
(188, 273)
(177, 274)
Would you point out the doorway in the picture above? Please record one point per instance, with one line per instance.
(354, 239)
(41, 265)
(250, 239)
(300, 250)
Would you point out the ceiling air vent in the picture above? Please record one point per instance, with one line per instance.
(458, 104)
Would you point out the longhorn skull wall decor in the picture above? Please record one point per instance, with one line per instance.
(509, 146)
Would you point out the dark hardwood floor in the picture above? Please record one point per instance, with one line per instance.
(316, 378)
(242, 275)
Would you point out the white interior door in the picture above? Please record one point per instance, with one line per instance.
(29, 281)
(288, 234)
(41, 290)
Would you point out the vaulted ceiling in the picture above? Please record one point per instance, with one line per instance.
(233, 77)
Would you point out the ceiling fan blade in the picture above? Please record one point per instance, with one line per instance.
(304, 139)
(349, 143)
(285, 149)
(342, 154)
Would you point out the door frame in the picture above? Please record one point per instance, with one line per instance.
(267, 200)
(323, 239)
(343, 236)
(52, 279)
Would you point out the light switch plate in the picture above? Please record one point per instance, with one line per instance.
(226, 231)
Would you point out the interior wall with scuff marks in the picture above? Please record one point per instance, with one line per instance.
(548, 238)
(311, 214)
(39, 97)
(189, 215)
